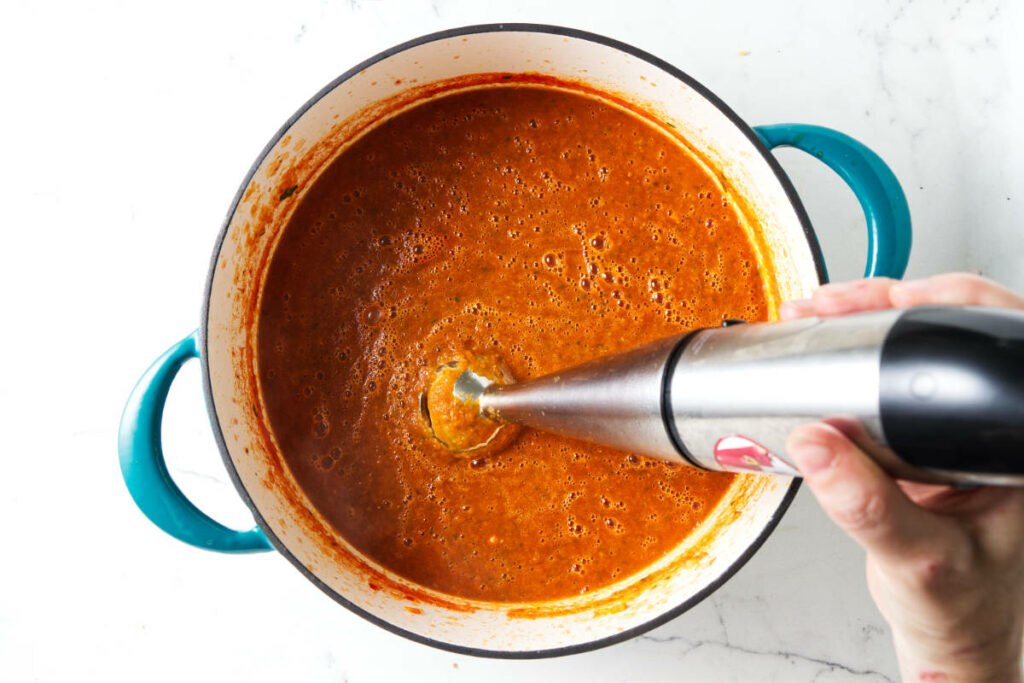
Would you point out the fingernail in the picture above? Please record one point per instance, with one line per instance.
(839, 288)
(797, 308)
(908, 289)
(811, 456)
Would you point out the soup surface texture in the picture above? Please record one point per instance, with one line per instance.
(519, 220)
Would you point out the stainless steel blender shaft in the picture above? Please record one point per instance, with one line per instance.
(921, 383)
(614, 401)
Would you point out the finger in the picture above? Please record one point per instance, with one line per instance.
(962, 289)
(842, 298)
(999, 524)
(859, 497)
(797, 308)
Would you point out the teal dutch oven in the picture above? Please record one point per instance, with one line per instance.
(286, 522)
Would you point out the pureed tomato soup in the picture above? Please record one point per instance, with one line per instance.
(517, 219)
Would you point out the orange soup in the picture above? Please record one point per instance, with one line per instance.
(539, 224)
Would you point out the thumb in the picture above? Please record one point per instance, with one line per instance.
(859, 497)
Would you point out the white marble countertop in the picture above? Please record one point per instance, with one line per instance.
(128, 127)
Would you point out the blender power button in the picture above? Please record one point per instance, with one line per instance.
(923, 386)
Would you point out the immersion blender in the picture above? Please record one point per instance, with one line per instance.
(933, 394)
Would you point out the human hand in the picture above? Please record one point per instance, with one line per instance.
(945, 566)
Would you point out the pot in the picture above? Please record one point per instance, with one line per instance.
(224, 343)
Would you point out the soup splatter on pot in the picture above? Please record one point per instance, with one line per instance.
(533, 223)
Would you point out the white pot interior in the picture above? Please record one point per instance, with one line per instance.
(293, 160)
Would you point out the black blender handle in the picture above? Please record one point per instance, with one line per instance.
(952, 389)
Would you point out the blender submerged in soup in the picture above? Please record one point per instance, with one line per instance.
(520, 220)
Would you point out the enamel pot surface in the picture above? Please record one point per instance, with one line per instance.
(225, 341)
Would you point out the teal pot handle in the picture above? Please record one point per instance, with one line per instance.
(879, 193)
(145, 472)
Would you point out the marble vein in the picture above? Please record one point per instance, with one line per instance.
(788, 655)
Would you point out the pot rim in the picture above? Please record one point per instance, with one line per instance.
(588, 646)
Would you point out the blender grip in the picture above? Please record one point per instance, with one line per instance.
(951, 392)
